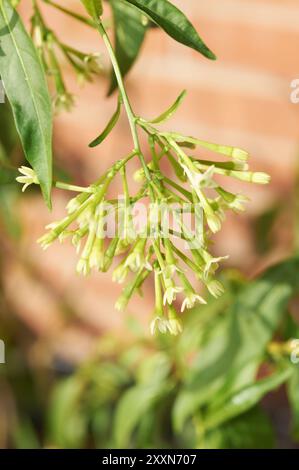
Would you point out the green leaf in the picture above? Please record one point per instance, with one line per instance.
(132, 407)
(26, 88)
(24, 435)
(174, 23)
(67, 424)
(93, 7)
(154, 370)
(76, 16)
(244, 399)
(9, 138)
(108, 128)
(293, 395)
(171, 110)
(8, 210)
(251, 430)
(292, 332)
(129, 31)
(236, 346)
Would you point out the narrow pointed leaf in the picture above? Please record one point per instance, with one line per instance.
(171, 110)
(129, 30)
(174, 23)
(108, 128)
(93, 7)
(245, 399)
(26, 88)
(76, 16)
(229, 362)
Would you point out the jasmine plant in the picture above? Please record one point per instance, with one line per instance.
(192, 187)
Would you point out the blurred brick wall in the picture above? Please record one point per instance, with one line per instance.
(242, 99)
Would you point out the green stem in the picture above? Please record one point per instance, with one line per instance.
(76, 16)
(130, 114)
(72, 187)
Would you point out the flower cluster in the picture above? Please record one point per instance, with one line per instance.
(188, 189)
(152, 249)
(49, 46)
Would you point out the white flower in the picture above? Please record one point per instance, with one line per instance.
(86, 217)
(211, 264)
(215, 288)
(93, 62)
(169, 271)
(63, 101)
(73, 204)
(133, 261)
(64, 235)
(200, 180)
(260, 178)
(170, 294)
(191, 299)
(47, 239)
(236, 204)
(83, 267)
(159, 324)
(239, 155)
(136, 261)
(213, 221)
(28, 177)
(120, 273)
(121, 303)
(96, 258)
(175, 326)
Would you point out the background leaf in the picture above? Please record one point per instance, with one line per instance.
(93, 7)
(26, 88)
(251, 430)
(129, 30)
(67, 424)
(171, 110)
(229, 358)
(108, 128)
(174, 23)
(244, 399)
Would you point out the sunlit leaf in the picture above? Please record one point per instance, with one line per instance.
(93, 7)
(250, 430)
(131, 408)
(174, 23)
(26, 88)
(67, 425)
(170, 111)
(108, 128)
(244, 399)
(230, 358)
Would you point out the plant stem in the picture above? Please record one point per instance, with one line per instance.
(131, 116)
(72, 187)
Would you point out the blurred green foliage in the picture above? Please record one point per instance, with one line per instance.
(203, 389)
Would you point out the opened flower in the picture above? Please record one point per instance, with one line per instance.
(28, 177)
